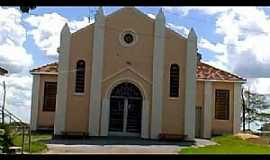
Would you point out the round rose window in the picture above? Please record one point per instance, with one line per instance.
(128, 38)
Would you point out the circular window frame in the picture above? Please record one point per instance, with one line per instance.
(122, 35)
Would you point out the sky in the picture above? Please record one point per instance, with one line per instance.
(235, 39)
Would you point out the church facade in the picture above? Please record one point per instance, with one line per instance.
(129, 75)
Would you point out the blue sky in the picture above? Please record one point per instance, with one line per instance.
(77, 13)
(235, 39)
(195, 20)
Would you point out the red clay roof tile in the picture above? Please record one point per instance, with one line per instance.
(204, 72)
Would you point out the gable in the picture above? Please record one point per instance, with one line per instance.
(125, 70)
(130, 11)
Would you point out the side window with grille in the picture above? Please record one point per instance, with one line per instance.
(174, 80)
(50, 89)
(222, 104)
(80, 76)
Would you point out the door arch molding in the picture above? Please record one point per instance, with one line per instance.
(105, 110)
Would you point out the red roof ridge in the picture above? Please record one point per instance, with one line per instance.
(231, 74)
(46, 65)
(204, 71)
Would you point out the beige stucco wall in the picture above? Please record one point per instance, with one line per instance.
(116, 58)
(200, 94)
(218, 126)
(223, 126)
(173, 110)
(140, 55)
(139, 58)
(78, 105)
(200, 102)
(45, 119)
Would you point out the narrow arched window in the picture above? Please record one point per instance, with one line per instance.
(80, 72)
(174, 80)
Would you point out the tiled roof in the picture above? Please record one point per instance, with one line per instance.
(48, 68)
(204, 72)
(207, 72)
(3, 71)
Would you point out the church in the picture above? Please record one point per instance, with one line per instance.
(129, 75)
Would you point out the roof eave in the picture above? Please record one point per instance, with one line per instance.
(198, 79)
(44, 73)
(214, 80)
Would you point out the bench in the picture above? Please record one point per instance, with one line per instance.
(169, 136)
(15, 149)
(75, 134)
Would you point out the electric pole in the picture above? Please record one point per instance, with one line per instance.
(244, 111)
(3, 105)
(249, 118)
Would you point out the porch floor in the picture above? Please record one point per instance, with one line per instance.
(119, 145)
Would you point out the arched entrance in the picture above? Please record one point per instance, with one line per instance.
(125, 110)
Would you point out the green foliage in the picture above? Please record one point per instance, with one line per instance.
(26, 9)
(256, 104)
(6, 138)
(2, 133)
(229, 144)
(265, 127)
(37, 142)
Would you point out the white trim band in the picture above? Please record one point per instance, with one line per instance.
(34, 103)
(97, 73)
(236, 108)
(190, 86)
(207, 110)
(62, 85)
(158, 75)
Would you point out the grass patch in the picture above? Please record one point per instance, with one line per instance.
(37, 141)
(229, 144)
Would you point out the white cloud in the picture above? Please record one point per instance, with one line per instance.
(244, 48)
(215, 48)
(47, 27)
(15, 58)
(151, 15)
(246, 34)
(205, 10)
(78, 24)
(13, 55)
(18, 94)
(246, 38)
(259, 85)
(179, 29)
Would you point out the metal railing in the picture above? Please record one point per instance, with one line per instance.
(18, 126)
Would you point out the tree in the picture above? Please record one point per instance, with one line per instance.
(265, 127)
(256, 104)
(26, 9)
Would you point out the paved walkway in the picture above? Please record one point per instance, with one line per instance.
(119, 146)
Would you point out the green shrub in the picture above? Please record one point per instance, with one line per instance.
(5, 138)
